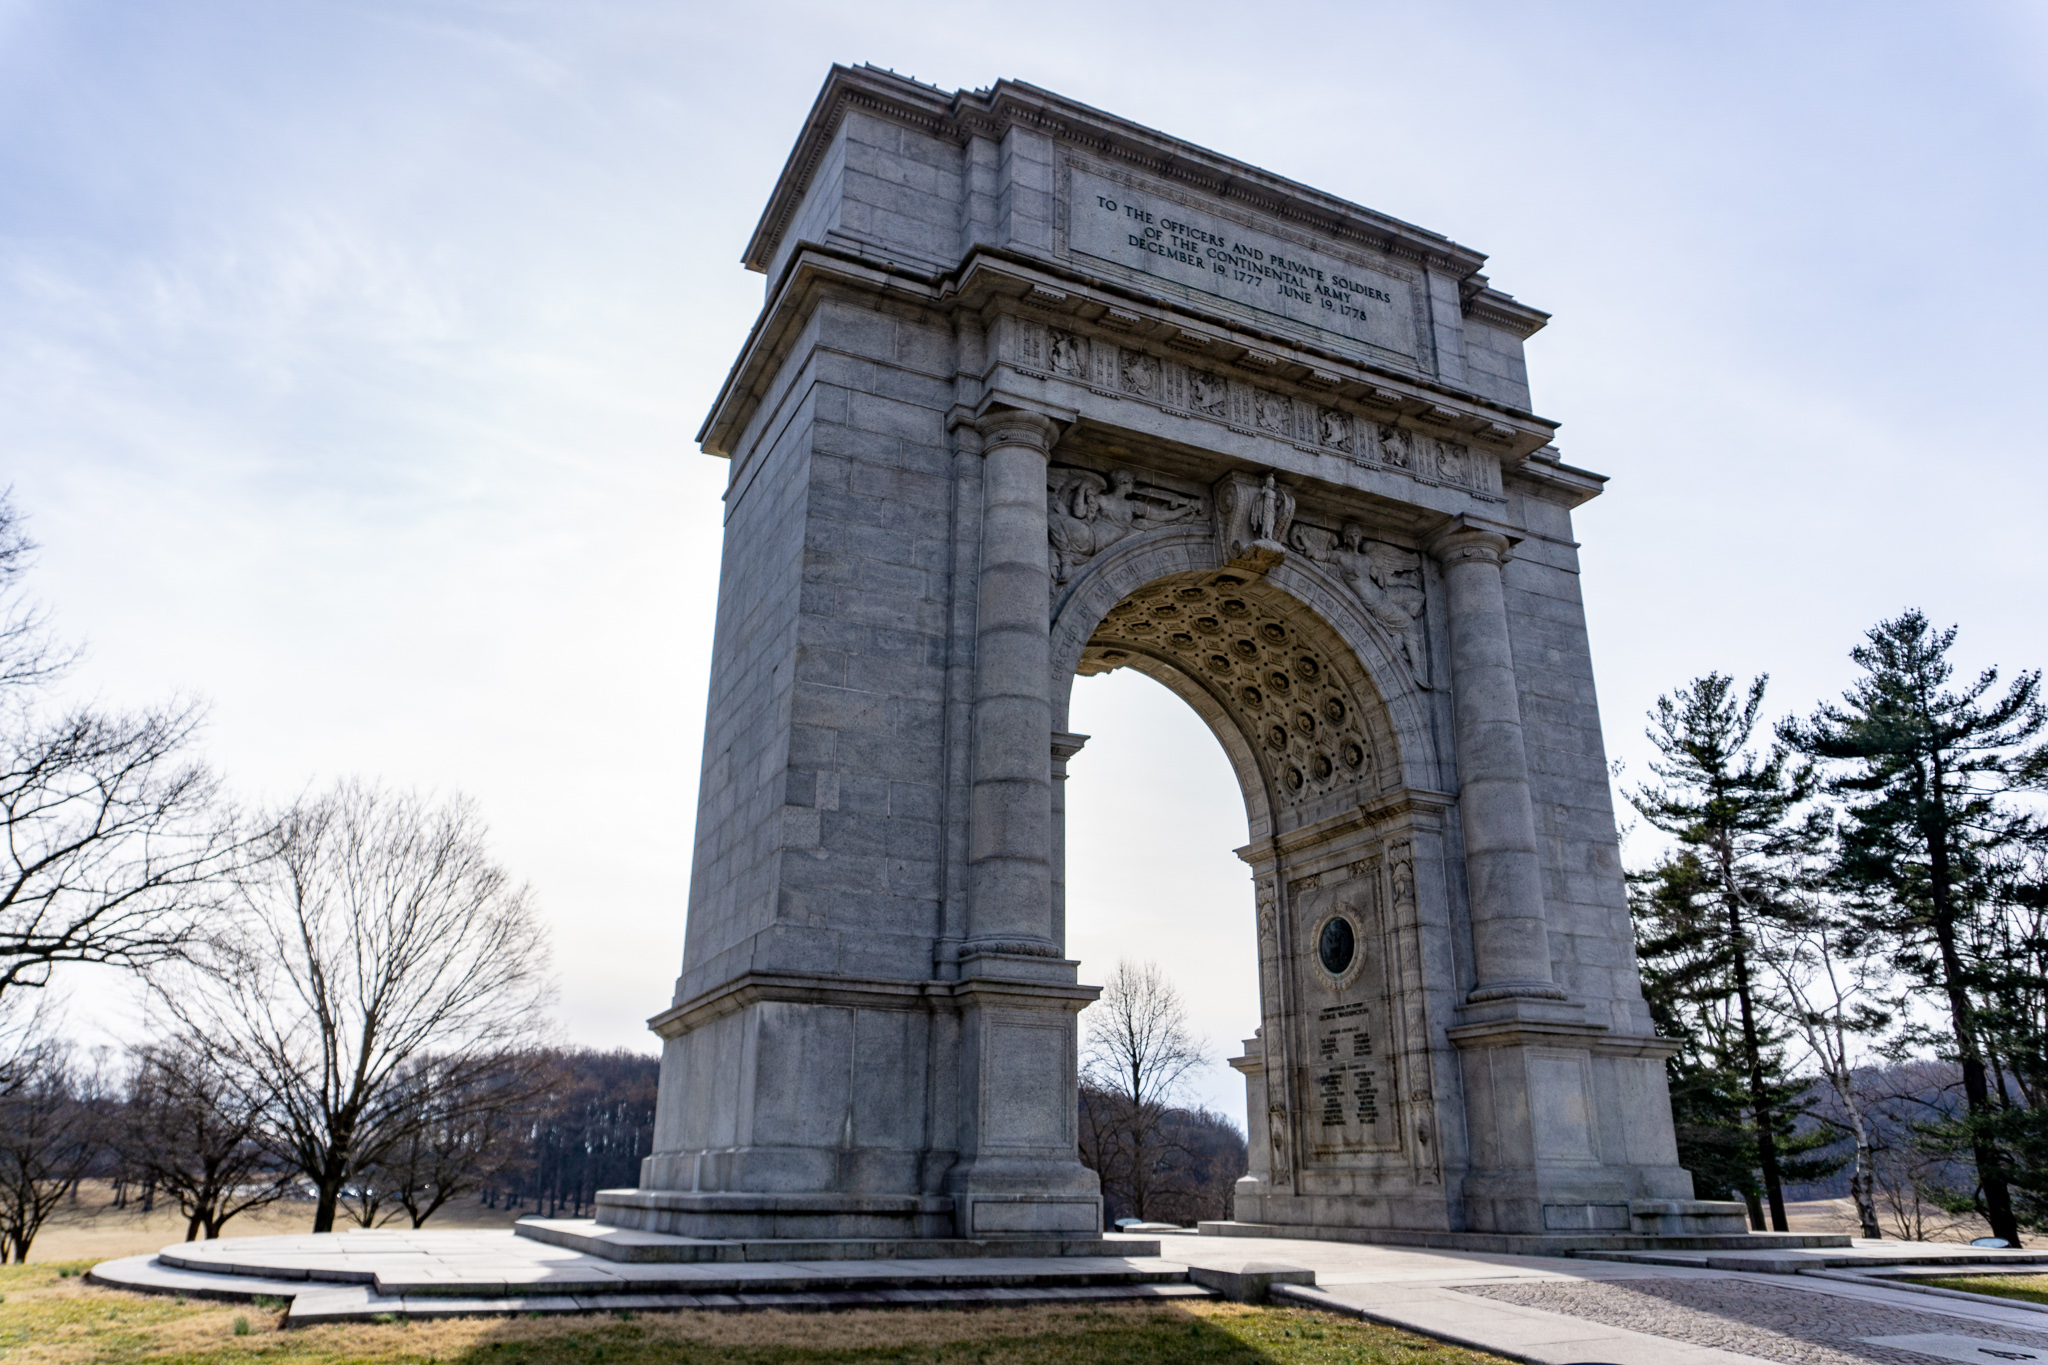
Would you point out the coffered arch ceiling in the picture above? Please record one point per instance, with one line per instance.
(1300, 718)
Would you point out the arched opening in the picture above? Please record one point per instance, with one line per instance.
(1300, 940)
(1153, 822)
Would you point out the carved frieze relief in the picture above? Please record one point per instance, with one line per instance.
(1317, 426)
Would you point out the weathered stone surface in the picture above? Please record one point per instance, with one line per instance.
(1030, 398)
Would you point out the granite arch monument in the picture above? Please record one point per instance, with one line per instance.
(1037, 392)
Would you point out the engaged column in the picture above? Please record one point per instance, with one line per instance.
(1511, 947)
(1009, 861)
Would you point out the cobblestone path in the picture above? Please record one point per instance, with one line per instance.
(1791, 1325)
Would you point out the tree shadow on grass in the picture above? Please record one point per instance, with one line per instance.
(1138, 1334)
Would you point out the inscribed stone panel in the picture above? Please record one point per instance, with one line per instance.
(1157, 236)
(1347, 1073)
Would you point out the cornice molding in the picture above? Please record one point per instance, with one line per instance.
(809, 988)
(994, 283)
(992, 113)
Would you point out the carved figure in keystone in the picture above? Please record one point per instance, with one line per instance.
(1265, 515)
(1086, 514)
(1252, 519)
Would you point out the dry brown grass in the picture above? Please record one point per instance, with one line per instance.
(1839, 1215)
(2032, 1287)
(47, 1319)
(91, 1228)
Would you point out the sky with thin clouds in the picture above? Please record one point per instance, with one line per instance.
(351, 357)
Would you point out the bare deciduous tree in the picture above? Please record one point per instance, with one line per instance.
(456, 1128)
(1137, 1060)
(189, 1130)
(115, 839)
(1832, 998)
(51, 1129)
(27, 653)
(115, 842)
(380, 934)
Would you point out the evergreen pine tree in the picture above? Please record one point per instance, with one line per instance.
(1736, 817)
(1926, 774)
(1685, 985)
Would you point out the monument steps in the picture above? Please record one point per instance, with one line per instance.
(314, 1302)
(1535, 1244)
(634, 1245)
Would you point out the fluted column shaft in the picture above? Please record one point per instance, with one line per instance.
(1009, 860)
(1503, 871)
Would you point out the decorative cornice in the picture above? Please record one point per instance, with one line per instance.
(1496, 309)
(1389, 816)
(1568, 483)
(993, 112)
(757, 987)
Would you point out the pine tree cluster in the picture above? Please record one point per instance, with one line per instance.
(1846, 934)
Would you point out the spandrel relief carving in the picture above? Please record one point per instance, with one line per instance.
(1086, 513)
(1386, 579)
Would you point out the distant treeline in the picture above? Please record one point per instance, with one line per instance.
(587, 1131)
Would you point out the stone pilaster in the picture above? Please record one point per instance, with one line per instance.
(1503, 871)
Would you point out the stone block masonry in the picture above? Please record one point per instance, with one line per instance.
(1037, 393)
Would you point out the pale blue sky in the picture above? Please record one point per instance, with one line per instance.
(350, 356)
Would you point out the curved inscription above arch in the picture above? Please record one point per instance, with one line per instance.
(1314, 736)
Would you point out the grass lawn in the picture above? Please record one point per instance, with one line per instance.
(51, 1316)
(2032, 1288)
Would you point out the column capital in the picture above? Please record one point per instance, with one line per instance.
(1466, 539)
(1017, 427)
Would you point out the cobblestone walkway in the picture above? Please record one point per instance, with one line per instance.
(1796, 1326)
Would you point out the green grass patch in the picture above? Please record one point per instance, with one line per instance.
(2032, 1288)
(50, 1317)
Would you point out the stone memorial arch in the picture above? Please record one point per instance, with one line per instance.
(1038, 393)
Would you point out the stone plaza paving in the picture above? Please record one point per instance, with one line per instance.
(1837, 1307)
